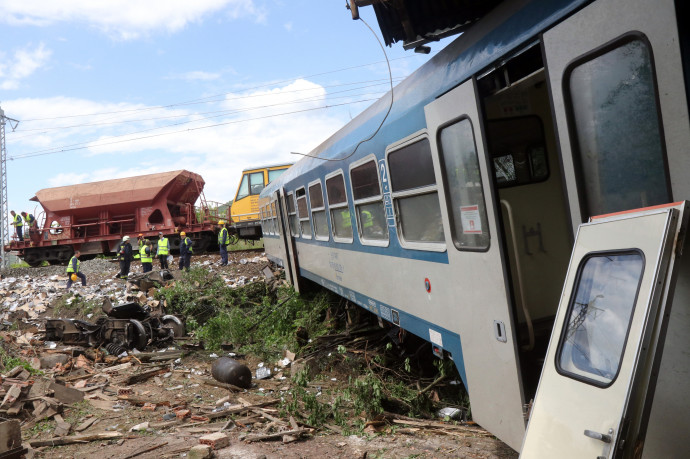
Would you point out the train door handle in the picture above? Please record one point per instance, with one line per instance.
(599, 436)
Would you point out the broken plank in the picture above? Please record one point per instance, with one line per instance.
(147, 450)
(231, 387)
(57, 441)
(297, 432)
(144, 376)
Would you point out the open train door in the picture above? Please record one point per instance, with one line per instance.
(600, 369)
(476, 264)
(288, 240)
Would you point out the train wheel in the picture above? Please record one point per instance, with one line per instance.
(136, 335)
(174, 324)
(33, 258)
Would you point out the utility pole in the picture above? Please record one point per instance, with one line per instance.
(4, 212)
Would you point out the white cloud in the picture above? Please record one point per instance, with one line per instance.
(126, 19)
(21, 65)
(288, 26)
(260, 130)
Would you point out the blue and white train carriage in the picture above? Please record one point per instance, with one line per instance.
(523, 208)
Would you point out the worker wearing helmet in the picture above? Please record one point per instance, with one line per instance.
(73, 271)
(223, 242)
(185, 251)
(18, 224)
(162, 250)
(125, 256)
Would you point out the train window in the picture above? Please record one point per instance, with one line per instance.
(256, 182)
(463, 183)
(276, 226)
(292, 215)
(368, 201)
(613, 106)
(243, 190)
(303, 213)
(518, 149)
(592, 343)
(274, 174)
(318, 212)
(341, 221)
(415, 196)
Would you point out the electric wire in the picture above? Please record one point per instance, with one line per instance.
(228, 111)
(77, 147)
(390, 106)
(204, 99)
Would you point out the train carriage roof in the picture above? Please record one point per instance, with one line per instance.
(505, 30)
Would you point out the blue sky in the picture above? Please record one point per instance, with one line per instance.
(109, 89)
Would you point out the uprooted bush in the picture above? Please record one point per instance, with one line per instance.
(254, 318)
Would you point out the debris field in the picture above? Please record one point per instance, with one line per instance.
(176, 397)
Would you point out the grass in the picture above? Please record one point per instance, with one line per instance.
(8, 362)
(243, 244)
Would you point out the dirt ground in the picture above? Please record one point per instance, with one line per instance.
(183, 384)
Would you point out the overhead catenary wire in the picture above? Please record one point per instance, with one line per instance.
(205, 99)
(228, 111)
(78, 147)
(390, 106)
(62, 148)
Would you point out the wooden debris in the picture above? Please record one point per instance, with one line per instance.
(86, 424)
(63, 427)
(57, 441)
(134, 379)
(231, 387)
(273, 436)
(147, 450)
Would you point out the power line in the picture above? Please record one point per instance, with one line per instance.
(229, 111)
(203, 99)
(76, 147)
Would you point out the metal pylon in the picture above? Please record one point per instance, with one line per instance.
(4, 212)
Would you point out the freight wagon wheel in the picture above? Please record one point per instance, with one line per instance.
(136, 335)
(174, 324)
(33, 258)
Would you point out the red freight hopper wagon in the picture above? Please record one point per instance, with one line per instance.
(93, 217)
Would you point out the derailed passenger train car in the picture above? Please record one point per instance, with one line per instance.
(522, 207)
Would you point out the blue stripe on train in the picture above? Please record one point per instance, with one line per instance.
(443, 338)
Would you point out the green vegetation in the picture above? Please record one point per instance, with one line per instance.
(254, 318)
(8, 362)
(264, 320)
(75, 305)
(244, 244)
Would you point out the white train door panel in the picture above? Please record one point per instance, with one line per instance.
(616, 78)
(598, 367)
(481, 312)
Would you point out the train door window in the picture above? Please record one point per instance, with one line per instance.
(292, 215)
(464, 191)
(415, 196)
(599, 314)
(318, 211)
(276, 226)
(303, 213)
(368, 202)
(341, 221)
(613, 108)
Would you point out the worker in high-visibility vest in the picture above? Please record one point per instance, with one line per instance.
(18, 223)
(162, 250)
(185, 251)
(223, 242)
(73, 272)
(146, 257)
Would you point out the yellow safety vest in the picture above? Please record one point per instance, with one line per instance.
(163, 246)
(142, 255)
(18, 220)
(70, 269)
(227, 237)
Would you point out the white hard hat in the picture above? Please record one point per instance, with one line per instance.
(126, 238)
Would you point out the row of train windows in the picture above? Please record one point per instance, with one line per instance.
(415, 211)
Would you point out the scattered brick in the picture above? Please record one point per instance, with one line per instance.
(199, 418)
(216, 440)
(181, 414)
(149, 407)
(199, 452)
